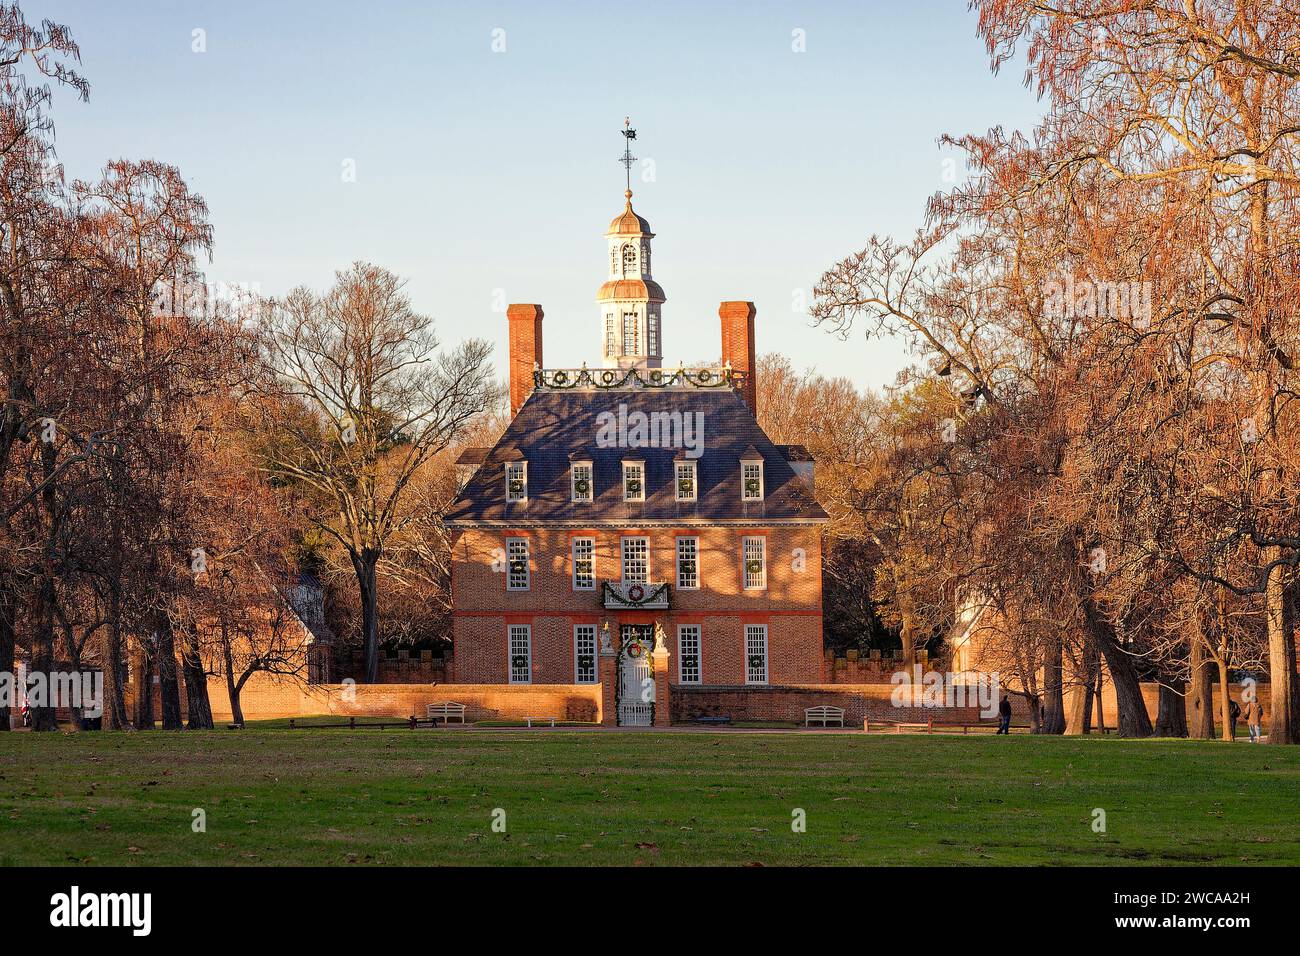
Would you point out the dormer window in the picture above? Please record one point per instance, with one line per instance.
(516, 481)
(633, 481)
(751, 481)
(581, 481)
(685, 475)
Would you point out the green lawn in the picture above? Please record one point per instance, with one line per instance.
(410, 797)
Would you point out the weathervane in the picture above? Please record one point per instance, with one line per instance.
(627, 159)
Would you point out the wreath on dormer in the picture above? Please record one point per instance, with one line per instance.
(516, 486)
(685, 486)
(581, 486)
(751, 486)
(633, 486)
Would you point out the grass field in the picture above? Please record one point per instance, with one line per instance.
(414, 797)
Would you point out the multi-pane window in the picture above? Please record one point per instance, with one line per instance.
(611, 342)
(584, 653)
(516, 480)
(652, 333)
(631, 334)
(517, 564)
(584, 572)
(633, 481)
(688, 562)
(688, 653)
(755, 653)
(751, 480)
(685, 478)
(629, 259)
(754, 555)
(521, 653)
(636, 560)
(582, 482)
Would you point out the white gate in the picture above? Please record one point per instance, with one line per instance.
(636, 692)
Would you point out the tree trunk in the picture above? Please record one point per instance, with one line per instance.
(144, 690)
(1225, 698)
(196, 682)
(1282, 721)
(1133, 720)
(1200, 693)
(168, 680)
(1053, 688)
(368, 585)
(1171, 718)
(110, 658)
(7, 605)
(43, 708)
(232, 688)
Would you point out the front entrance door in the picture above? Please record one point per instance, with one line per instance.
(636, 691)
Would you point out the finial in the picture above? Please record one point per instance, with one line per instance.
(627, 159)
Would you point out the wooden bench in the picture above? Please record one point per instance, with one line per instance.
(447, 710)
(824, 714)
(539, 720)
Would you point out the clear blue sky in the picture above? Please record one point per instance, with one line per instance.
(479, 171)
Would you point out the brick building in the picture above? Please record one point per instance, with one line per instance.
(634, 527)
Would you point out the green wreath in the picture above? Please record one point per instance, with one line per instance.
(751, 486)
(581, 486)
(634, 487)
(685, 486)
(516, 486)
(756, 662)
(519, 662)
(754, 567)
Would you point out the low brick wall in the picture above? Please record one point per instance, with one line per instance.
(270, 697)
(859, 701)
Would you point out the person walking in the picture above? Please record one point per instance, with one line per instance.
(1004, 715)
(1234, 711)
(1254, 717)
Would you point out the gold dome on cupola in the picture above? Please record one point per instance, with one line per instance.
(629, 223)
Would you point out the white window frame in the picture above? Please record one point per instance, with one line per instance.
(635, 338)
(686, 471)
(519, 643)
(623, 558)
(756, 646)
(513, 547)
(517, 471)
(639, 468)
(694, 584)
(611, 335)
(687, 633)
(745, 477)
(753, 548)
(584, 636)
(589, 582)
(575, 477)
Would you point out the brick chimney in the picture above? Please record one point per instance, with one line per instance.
(525, 351)
(738, 347)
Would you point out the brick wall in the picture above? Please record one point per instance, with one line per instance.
(790, 606)
(789, 703)
(266, 697)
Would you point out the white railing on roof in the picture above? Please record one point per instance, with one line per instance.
(563, 379)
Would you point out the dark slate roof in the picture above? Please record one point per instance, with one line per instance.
(473, 455)
(555, 427)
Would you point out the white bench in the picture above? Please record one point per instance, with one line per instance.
(447, 710)
(540, 720)
(823, 715)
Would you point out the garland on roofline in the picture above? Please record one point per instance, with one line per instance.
(612, 378)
